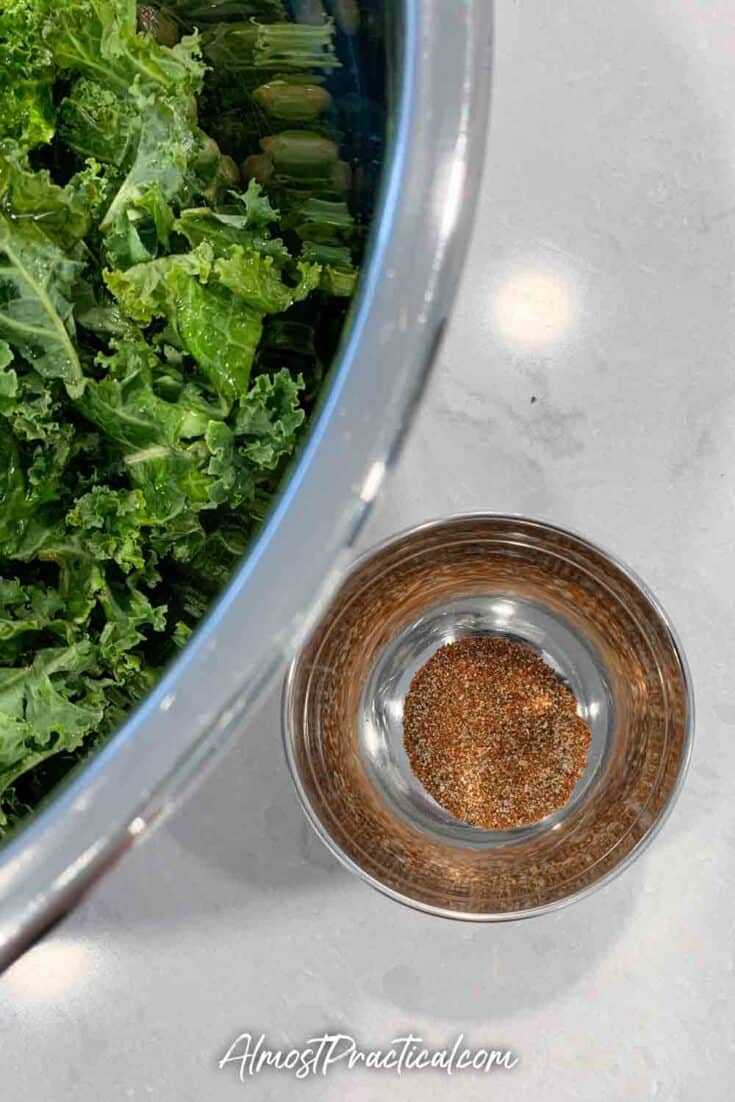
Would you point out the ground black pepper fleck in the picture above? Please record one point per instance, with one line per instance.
(493, 734)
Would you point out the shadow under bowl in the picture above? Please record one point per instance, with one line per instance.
(586, 615)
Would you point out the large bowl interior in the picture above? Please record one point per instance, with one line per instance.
(588, 616)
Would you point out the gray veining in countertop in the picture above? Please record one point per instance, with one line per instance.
(588, 377)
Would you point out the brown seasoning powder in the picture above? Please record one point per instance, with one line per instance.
(493, 734)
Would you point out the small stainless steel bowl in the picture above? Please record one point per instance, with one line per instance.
(588, 616)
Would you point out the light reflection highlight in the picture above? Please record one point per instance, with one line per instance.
(49, 970)
(371, 485)
(534, 308)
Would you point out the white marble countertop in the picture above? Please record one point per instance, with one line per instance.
(588, 378)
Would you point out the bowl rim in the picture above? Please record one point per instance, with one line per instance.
(630, 857)
(437, 92)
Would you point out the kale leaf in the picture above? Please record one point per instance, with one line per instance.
(157, 344)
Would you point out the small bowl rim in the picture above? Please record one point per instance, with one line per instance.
(582, 893)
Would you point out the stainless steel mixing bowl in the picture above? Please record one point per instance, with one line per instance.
(436, 60)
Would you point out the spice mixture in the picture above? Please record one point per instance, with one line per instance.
(493, 734)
